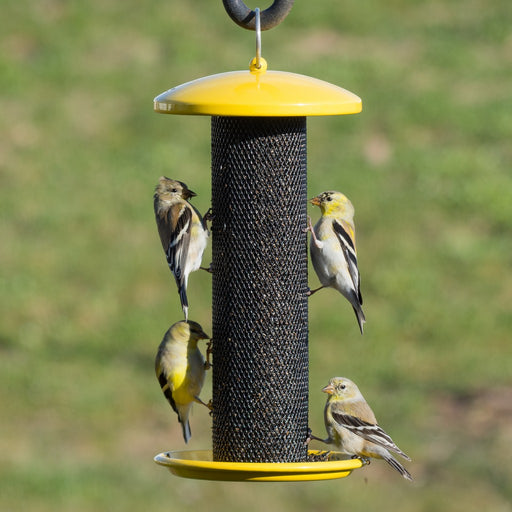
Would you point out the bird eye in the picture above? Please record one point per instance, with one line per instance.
(174, 190)
(329, 198)
(343, 386)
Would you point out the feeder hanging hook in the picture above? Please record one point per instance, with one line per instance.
(258, 38)
(246, 18)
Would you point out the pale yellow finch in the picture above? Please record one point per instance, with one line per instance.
(352, 426)
(180, 369)
(182, 230)
(333, 249)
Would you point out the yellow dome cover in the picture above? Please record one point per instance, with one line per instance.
(258, 92)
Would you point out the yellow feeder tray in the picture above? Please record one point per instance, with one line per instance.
(198, 464)
(259, 93)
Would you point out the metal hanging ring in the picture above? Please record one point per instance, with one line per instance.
(246, 18)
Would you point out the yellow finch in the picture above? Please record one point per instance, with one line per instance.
(333, 249)
(352, 427)
(180, 369)
(182, 230)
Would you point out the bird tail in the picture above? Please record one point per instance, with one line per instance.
(183, 412)
(182, 289)
(396, 465)
(185, 427)
(361, 319)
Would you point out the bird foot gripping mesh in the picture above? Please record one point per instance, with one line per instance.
(260, 311)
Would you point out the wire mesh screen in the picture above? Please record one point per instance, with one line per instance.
(260, 315)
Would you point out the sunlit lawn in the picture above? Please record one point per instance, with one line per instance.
(86, 296)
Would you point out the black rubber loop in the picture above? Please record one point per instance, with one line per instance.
(245, 17)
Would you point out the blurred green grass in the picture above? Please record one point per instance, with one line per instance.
(86, 297)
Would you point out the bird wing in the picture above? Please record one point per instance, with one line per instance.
(166, 388)
(164, 384)
(369, 431)
(346, 240)
(179, 220)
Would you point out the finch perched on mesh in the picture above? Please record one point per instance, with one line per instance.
(180, 369)
(333, 249)
(182, 231)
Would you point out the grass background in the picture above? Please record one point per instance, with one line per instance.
(86, 296)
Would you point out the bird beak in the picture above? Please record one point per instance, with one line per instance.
(204, 336)
(190, 193)
(315, 201)
(329, 389)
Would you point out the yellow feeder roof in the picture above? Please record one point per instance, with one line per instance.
(260, 93)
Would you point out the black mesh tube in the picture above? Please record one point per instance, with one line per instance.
(260, 312)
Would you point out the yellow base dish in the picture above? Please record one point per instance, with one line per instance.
(198, 464)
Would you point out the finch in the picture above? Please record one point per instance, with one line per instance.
(352, 427)
(182, 230)
(333, 249)
(180, 369)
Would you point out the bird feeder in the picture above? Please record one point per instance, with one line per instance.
(259, 264)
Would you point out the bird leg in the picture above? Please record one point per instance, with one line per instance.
(311, 437)
(209, 404)
(208, 216)
(310, 292)
(319, 457)
(317, 242)
(209, 350)
(208, 269)
(310, 226)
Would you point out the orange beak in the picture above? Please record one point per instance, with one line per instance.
(315, 201)
(329, 389)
